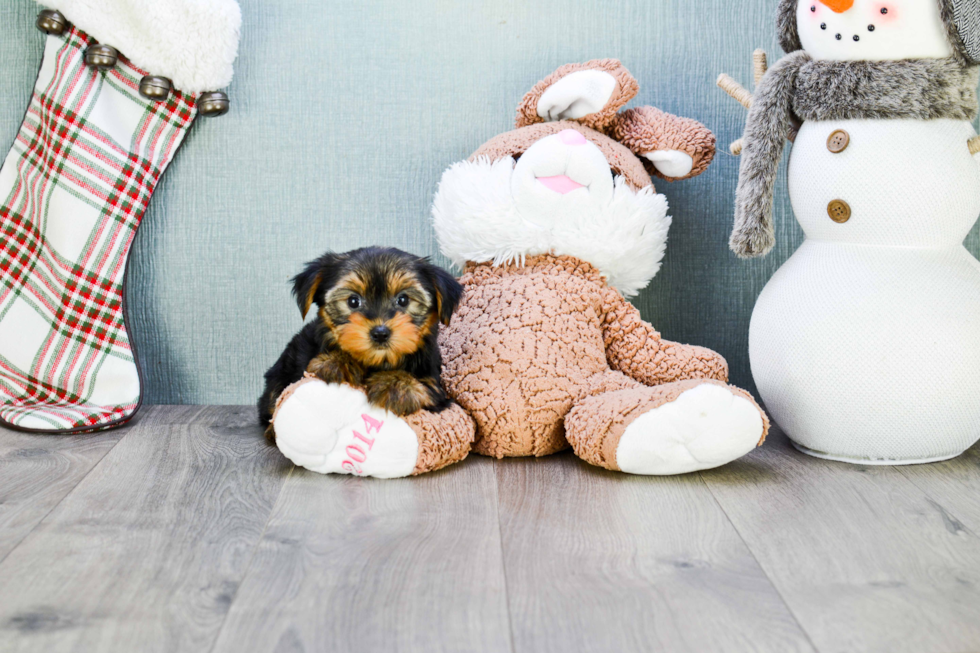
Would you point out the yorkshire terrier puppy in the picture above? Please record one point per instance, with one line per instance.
(377, 323)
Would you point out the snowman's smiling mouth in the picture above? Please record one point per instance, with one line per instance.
(562, 184)
(851, 32)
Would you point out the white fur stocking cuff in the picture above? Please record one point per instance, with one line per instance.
(192, 42)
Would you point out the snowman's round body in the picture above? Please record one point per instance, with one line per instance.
(865, 345)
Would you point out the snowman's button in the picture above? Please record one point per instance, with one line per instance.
(839, 211)
(838, 141)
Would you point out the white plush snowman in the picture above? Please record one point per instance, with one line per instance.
(865, 345)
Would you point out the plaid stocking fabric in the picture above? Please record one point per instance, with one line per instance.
(73, 190)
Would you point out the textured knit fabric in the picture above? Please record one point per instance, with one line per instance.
(872, 353)
(888, 175)
(529, 343)
(864, 345)
(73, 190)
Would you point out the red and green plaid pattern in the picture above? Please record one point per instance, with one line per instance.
(74, 188)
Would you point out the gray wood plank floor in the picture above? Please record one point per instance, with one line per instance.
(185, 532)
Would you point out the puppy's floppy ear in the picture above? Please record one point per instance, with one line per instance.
(319, 273)
(448, 291)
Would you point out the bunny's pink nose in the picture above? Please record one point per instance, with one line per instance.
(571, 137)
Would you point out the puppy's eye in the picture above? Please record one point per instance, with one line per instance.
(402, 300)
(354, 302)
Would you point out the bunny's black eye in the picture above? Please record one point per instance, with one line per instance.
(354, 302)
(402, 300)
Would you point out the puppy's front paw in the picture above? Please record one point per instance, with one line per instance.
(398, 392)
(330, 368)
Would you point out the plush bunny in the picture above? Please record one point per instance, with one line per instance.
(554, 224)
(865, 345)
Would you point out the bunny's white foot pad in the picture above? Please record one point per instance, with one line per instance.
(331, 429)
(705, 427)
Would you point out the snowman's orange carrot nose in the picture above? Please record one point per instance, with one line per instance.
(840, 6)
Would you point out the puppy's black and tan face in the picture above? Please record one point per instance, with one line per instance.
(379, 304)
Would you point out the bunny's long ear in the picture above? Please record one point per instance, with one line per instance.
(646, 130)
(590, 93)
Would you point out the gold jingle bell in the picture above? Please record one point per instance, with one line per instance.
(101, 56)
(213, 104)
(155, 88)
(52, 21)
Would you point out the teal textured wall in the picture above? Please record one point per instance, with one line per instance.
(344, 116)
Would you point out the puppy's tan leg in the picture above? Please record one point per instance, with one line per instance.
(398, 392)
(336, 367)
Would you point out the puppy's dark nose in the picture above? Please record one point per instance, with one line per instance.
(380, 334)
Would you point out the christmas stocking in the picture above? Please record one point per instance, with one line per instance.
(120, 85)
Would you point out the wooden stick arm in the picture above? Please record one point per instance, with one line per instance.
(736, 90)
(760, 64)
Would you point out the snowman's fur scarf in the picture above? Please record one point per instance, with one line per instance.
(918, 89)
(765, 136)
(192, 42)
(915, 89)
(960, 17)
(476, 220)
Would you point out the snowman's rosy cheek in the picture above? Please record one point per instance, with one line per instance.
(884, 13)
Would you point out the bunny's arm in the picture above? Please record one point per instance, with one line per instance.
(675, 147)
(634, 348)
